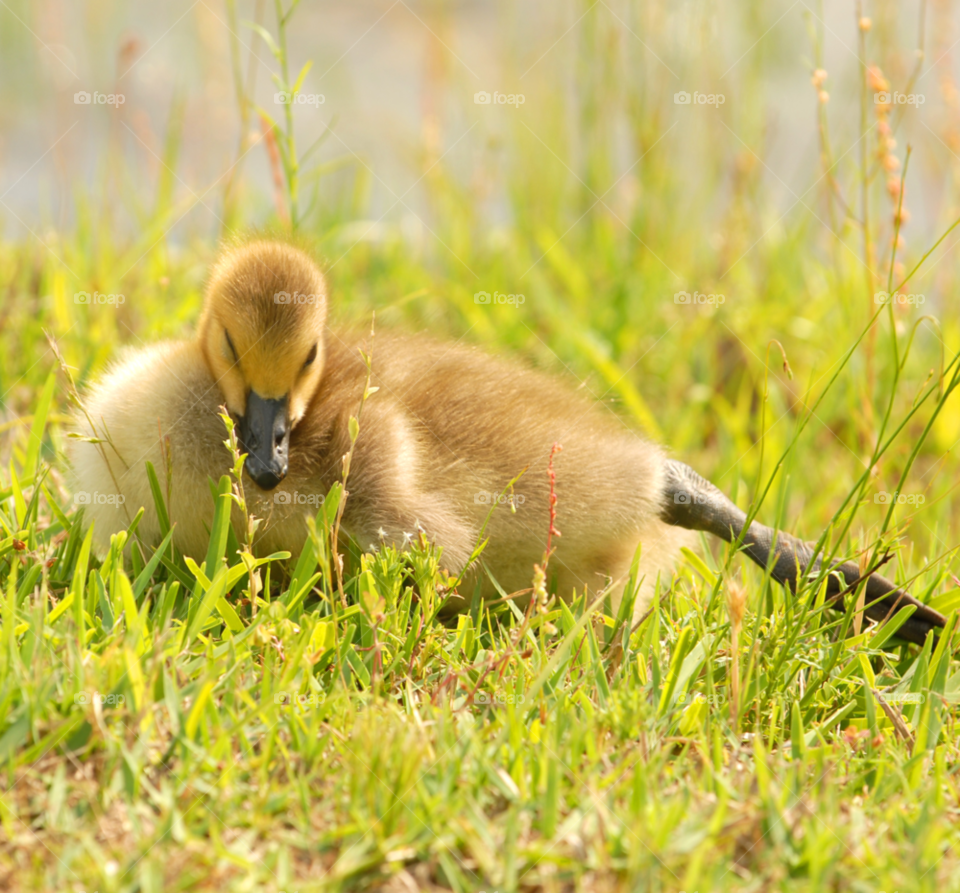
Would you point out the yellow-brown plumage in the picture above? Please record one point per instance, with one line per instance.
(448, 427)
(447, 430)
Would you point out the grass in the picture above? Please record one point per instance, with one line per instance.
(231, 722)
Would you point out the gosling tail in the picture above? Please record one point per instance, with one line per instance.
(696, 504)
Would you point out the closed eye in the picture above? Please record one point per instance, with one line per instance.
(311, 357)
(233, 350)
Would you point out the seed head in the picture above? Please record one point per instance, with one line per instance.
(736, 603)
(876, 81)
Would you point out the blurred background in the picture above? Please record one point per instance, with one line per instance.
(604, 160)
(396, 82)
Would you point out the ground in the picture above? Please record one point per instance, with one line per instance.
(170, 727)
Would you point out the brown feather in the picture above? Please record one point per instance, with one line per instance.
(449, 427)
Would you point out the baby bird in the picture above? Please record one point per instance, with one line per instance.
(440, 440)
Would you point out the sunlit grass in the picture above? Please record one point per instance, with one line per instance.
(236, 722)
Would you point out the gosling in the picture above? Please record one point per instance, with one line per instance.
(440, 441)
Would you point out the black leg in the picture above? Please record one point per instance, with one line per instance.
(695, 503)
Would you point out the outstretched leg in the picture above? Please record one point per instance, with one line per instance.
(695, 503)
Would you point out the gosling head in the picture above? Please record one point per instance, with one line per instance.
(261, 333)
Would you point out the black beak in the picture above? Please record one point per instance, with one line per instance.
(265, 437)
